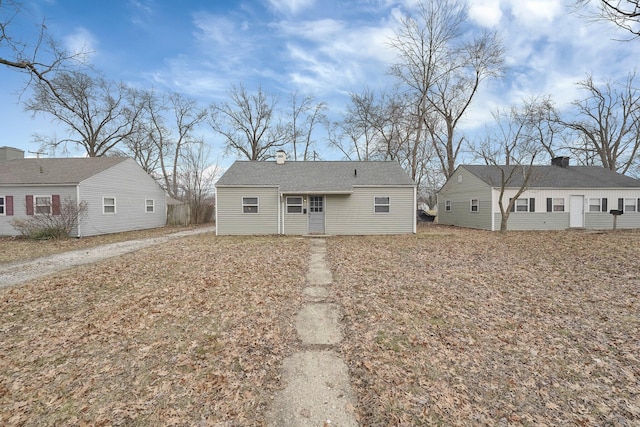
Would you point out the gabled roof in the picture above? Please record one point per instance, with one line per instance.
(555, 176)
(321, 177)
(54, 171)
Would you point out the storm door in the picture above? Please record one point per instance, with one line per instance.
(316, 214)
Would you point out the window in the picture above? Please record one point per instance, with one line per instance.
(250, 205)
(381, 204)
(149, 206)
(294, 205)
(594, 205)
(2, 206)
(522, 205)
(42, 205)
(558, 205)
(108, 205)
(475, 205)
(447, 206)
(629, 205)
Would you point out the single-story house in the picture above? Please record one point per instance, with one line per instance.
(558, 197)
(325, 197)
(118, 193)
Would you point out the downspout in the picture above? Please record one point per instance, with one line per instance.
(78, 207)
(415, 208)
(279, 201)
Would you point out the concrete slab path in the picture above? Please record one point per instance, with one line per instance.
(318, 391)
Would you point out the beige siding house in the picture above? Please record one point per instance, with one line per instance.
(333, 198)
(119, 194)
(558, 197)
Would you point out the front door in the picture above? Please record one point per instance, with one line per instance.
(576, 213)
(316, 214)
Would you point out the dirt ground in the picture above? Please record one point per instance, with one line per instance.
(446, 327)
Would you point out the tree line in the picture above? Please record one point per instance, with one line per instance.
(416, 121)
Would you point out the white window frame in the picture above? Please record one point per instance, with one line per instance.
(47, 204)
(3, 205)
(381, 207)
(475, 205)
(630, 203)
(519, 203)
(290, 204)
(105, 206)
(447, 205)
(147, 206)
(554, 204)
(250, 205)
(591, 200)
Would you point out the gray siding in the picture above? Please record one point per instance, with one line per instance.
(354, 214)
(535, 221)
(231, 220)
(20, 205)
(460, 194)
(295, 223)
(131, 186)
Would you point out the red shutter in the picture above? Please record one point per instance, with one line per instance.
(29, 200)
(9, 205)
(55, 204)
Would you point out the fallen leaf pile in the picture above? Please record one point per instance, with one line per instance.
(189, 333)
(465, 327)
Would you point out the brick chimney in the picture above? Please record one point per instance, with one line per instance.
(562, 162)
(10, 153)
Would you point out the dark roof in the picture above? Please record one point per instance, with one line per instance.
(556, 176)
(54, 171)
(321, 177)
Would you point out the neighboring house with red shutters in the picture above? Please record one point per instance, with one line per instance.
(119, 194)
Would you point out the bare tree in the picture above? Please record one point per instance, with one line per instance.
(511, 149)
(249, 123)
(197, 176)
(40, 59)
(306, 116)
(623, 13)
(442, 70)
(607, 124)
(99, 114)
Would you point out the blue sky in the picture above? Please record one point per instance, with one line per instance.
(325, 48)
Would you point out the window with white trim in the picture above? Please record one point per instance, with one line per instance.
(594, 205)
(522, 205)
(447, 205)
(475, 205)
(629, 205)
(108, 205)
(149, 205)
(381, 204)
(250, 205)
(294, 204)
(558, 204)
(2, 206)
(42, 205)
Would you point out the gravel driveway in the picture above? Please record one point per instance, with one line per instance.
(20, 272)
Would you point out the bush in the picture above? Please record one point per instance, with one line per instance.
(49, 226)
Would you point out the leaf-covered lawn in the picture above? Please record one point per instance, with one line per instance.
(188, 333)
(446, 327)
(463, 327)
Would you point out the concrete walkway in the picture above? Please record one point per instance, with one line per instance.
(318, 392)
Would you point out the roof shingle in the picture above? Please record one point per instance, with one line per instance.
(54, 171)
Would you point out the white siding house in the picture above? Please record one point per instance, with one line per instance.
(301, 198)
(119, 194)
(558, 197)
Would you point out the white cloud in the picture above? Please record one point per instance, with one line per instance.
(486, 13)
(81, 43)
(291, 6)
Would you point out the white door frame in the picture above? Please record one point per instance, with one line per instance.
(576, 211)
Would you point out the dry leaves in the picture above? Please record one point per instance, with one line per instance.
(465, 327)
(188, 333)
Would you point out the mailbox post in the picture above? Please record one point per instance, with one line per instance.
(615, 213)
